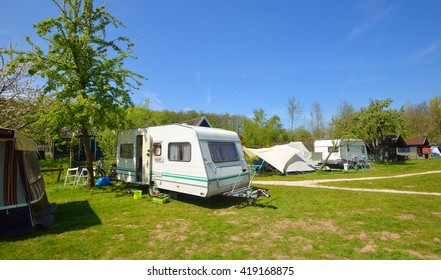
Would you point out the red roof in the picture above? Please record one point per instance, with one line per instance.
(417, 142)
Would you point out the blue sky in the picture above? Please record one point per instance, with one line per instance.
(234, 56)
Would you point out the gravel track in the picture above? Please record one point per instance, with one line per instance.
(315, 184)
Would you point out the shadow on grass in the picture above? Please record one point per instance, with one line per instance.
(71, 216)
(221, 202)
(75, 215)
(214, 202)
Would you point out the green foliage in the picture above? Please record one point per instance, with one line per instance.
(342, 123)
(303, 135)
(20, 98)
(435, 117)
(107, 140)
(260, 132)
(417, 120)
(86, 78)
(376, 121)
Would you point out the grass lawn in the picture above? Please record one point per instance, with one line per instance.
(295, 223)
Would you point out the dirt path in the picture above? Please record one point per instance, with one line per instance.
(315, 184)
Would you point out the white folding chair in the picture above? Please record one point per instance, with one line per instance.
(82, 176)
(367, 163)
(71, 176)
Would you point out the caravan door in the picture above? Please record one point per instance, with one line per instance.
(146, 159)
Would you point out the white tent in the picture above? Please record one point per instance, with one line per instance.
(292, 157)
(436, 150)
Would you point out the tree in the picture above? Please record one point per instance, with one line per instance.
(295, 110)
(86, 78)
(303, 135)
(254, 129)
(373, 123)
(274, 131)
(417, 119)
(260, 122)
(317, 124)
(342, 124)
(435, 117)
(19, 96)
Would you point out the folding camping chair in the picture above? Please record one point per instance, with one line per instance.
(257, 166)
(71, 176)
(358, 164)
(367, 163)
(82, 176)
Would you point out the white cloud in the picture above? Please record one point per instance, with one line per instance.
(432, 49)
(155, 103)
(207, 92)
(197, 75)
(351, 83)
(208, 95)
(371, 22)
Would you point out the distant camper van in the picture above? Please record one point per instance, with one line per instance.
(347, 150)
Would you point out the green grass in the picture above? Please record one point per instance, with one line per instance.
(295, 223)
(420, 183)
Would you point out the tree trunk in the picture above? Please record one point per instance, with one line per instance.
(89, 158)
(326, 161)
(70, 144)
(334, 148)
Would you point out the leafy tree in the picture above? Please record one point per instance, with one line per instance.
(417, 119)
(274, 133)
(260, 122)
(303, 135)
(342, 124)
(140, 115)
(435, 117)
(20, 98)
(253, 134)
(376, 121)
(86, 78)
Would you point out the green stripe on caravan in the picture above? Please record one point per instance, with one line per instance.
(198, 179)
(125, 169)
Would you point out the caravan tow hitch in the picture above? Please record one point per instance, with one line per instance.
(249, 193)
(254, 195)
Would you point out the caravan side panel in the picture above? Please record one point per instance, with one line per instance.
(347, 151)
(177, 162)
(324, 147)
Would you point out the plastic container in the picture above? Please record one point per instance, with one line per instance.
(160, 198)
(346, 166)
(137, 194)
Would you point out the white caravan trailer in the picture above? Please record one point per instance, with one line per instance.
(179, 158)
(347, 150)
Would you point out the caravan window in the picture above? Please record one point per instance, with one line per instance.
(157, 150)
(179, 152)
(126, 151)
(223, 151)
